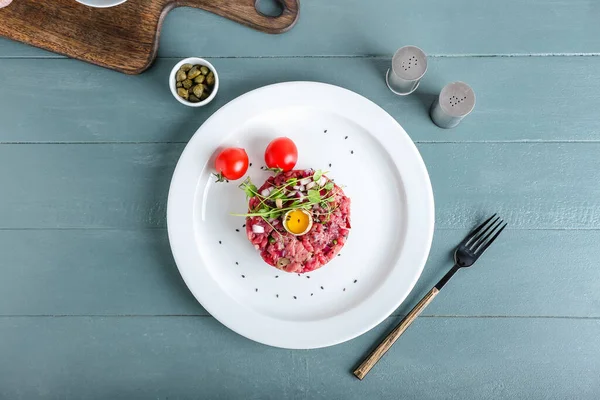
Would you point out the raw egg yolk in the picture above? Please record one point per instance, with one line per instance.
(297, 222)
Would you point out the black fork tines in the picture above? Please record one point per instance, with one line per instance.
(481, 238)
(475, 231)
(478, 239)
(485, 244)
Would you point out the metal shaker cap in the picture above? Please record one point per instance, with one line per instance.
(409, 64)
(456, 101)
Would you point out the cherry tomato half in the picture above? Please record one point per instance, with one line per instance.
(281, 153)
(231, 164)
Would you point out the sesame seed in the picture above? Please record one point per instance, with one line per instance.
(312, 294)
(346, 138)
(220, 242)
(276, 276)
(322, 287)
(237, 263)
(250, 164)
(307, 277)
(355, 281)
(243, 276)
(237, 230)
(243, 226)
(351, 151)
(344, 289)
(325, 130)
(256, 290)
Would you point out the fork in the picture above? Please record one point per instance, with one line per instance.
(467, 252)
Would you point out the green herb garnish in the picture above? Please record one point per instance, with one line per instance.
(267, 209)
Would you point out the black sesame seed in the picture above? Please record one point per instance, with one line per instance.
(220, 242)
(243, 226)
(351, 151)
(325, 130)
(307, 277)
(329, 165)
(346, 138)
(344, 289)
(355, 281)
(276, 276)
(322, 287)
(298, 274)
(250, 164)
(295, 297)
(237, 263)
(312, 294)
(243, 276)
(237, 230)
(339, 255)
(277, 295)
(256, 290)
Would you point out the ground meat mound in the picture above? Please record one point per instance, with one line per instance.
(308, 252)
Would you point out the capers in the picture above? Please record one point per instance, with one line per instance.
(181, 75)
(198, 90)
(194, 72)
(184, 94)
(194, 83)
(210, 78)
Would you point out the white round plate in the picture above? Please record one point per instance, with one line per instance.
(363, 148)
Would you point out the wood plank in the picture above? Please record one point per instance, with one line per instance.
(518, 98)
(457, 358)
(533, 185)
(107, 272)
(347, 27)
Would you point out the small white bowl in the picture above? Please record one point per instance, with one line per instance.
(194, 61)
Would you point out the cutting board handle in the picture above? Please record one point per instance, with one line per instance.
(245, 12)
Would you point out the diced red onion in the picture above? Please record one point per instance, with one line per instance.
(292, 194)
(302, 188)
(258, 229)
(322, 181)
(305, 181)
(311, 185)
(297, 187)
(267, 191)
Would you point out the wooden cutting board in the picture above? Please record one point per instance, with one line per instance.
(125, 37)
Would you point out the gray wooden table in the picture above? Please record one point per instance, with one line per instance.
(92, 305)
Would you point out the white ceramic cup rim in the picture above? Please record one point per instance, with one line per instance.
(101, 3)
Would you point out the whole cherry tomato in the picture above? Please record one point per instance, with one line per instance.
(231, 164)
(281, 153)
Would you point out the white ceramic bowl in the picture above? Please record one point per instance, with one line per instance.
(101, 3)
(194, 61)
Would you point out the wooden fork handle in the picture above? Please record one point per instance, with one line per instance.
(372, 359)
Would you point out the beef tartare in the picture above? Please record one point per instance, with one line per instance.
(305, 244)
